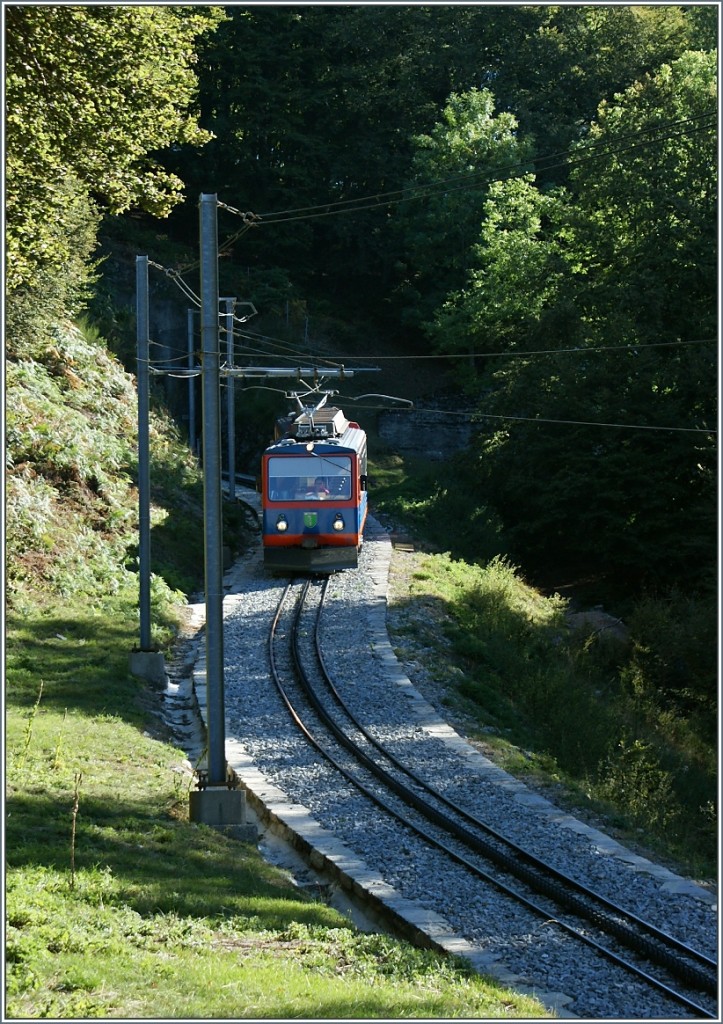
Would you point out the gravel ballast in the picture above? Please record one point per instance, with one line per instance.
(285, 775)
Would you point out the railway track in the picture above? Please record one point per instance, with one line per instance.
(649, 955)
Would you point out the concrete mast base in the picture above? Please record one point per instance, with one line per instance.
(222, 808)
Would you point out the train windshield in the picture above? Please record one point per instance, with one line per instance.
(306, 478)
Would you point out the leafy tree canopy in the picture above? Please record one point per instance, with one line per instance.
(643, 233)
(322, 104)
(515, 273)
(575, 55)
(453, 169)
(623, 262)
(91, 92)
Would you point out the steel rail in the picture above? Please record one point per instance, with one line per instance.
(699, 970)
(442, 820)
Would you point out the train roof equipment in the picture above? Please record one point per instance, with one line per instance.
(316, 423)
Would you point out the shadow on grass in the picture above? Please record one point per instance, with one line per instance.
(156, 865)
(80, 658)
(177, 544)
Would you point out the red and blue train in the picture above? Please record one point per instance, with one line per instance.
(314, 491)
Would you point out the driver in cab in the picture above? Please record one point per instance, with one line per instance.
(319, 490)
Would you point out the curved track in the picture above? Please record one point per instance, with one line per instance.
(343, 741)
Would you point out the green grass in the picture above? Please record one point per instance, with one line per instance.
(117, 904)
(629, 729)
(557, 706)
(431, 500)
(109, 884)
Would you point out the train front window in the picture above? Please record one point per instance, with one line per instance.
(309, 478)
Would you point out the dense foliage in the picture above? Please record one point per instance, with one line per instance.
(500, 180)
(91, 93)
(626, 718)
(317, 105)
(614, 277)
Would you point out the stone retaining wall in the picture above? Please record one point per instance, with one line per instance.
(432, 433)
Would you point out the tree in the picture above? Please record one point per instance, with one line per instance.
(453, 169)
(516, 275)
(315, 105)
(572, 57)
(91, 94)
(637, 238)
(318, 105)
(643, 232)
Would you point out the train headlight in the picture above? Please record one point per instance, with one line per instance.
(281, 524)
(338, 523)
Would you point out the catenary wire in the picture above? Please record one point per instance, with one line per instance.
(175, 276)
(527, 352)
(533, 166)
(422, 191)
(597, 423)
(473, 180)
(475, 416)
(285, 349)
(538, 162)
(426, 192)
(182, 373)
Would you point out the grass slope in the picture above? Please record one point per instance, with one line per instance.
(625, 723)
(108, 882)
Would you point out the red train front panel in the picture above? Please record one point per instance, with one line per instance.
(314, 506)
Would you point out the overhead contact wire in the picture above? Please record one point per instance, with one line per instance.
(473, 180)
